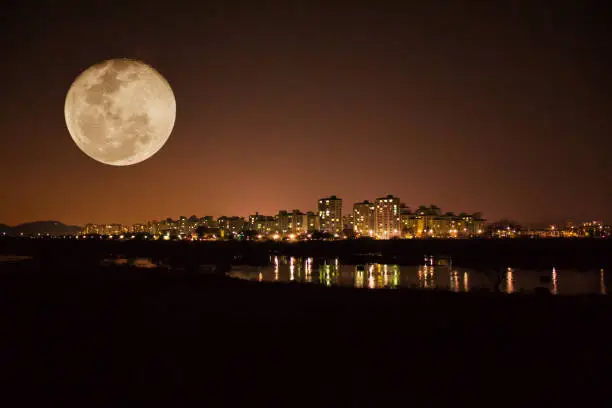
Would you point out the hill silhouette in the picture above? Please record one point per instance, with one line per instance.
(42, 227)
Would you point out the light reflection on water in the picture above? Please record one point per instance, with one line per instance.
(509, 281)
(445, 277)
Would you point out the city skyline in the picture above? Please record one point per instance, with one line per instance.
(499, 107)
(326, 220)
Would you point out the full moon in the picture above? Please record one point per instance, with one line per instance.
(120, 111)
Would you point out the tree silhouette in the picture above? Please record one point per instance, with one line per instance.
(434, 210)
(422, 210)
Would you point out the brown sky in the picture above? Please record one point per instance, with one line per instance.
(499, 107)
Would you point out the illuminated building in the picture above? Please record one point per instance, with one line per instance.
(184, 226)
(504, 229)
(592, 229)
(90, 229)
(254, 223)
(193, 223)
(152, 227)
(330, 214)
(136, 228)
(105, 229)
(363, 218)
(471, 224)
(167, 226)
(387, 217)
(222, 222)
(412, 223)
(208, 221)
(262, 224)
(289, 222)
(443, 226)
(283, 221)
(310, 222)
(296, 222)
(116, 229)
(348, 222)
(230, 225)
(428, 214)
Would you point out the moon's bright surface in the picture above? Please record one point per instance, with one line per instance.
(120, 111)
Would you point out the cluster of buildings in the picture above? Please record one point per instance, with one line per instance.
(590, 229)
(383, 218)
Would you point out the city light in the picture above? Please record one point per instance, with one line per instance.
(383, 218)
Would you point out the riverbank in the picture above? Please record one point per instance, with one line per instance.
(472, 253)
(134, 335)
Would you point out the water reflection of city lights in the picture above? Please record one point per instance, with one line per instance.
(420, 275)
(328, 275)
(358, 278)
(276, 268)
(454, 281)
(376, 276)
(509, 281)
(425, 275)
(371, 282)
(396, 275)
(385, 276)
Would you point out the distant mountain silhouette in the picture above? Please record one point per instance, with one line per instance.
(42, 227)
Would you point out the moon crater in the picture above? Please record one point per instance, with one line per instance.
(120, 112)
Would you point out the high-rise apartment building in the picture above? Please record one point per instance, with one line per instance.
(282, 222)
(330, 214)
(310, 222)
(387, 217)
(348, 222)
(363, 218)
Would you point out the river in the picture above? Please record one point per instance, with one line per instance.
(427, 276)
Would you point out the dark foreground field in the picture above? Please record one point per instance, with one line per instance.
(118, 337)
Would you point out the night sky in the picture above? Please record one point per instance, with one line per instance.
(492, 106)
